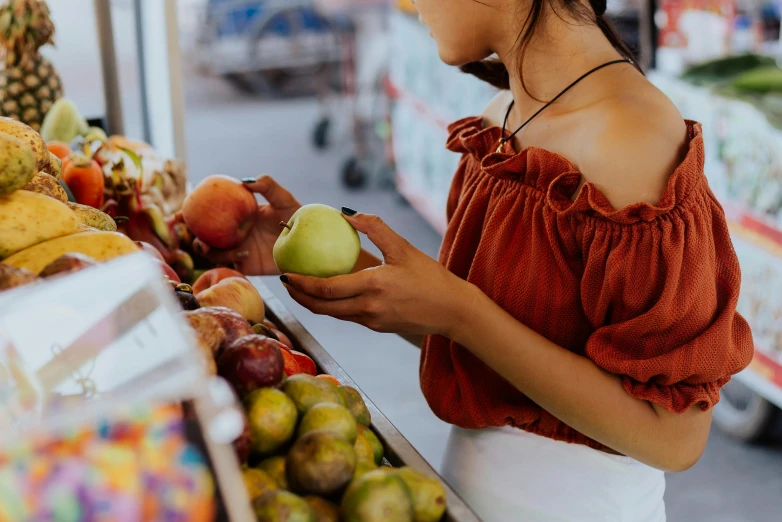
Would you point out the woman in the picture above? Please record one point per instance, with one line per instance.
(581, 320)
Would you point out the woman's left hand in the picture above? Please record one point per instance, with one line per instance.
(409, 294)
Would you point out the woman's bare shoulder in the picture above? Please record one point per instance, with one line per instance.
(633, 145)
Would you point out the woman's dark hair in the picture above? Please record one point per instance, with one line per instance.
(495, 72)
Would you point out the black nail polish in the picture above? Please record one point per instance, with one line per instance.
(284, 279)
(249, 180)
(348, 211)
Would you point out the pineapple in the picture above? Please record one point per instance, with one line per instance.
(29, 84)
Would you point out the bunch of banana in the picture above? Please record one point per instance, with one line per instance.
(37, 223)
(45, 161)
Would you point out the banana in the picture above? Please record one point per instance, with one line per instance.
(99, 245)
(27, 218)
(93, 217)
(31, 138)
(56, 167)
(17, 164)
(43, 183)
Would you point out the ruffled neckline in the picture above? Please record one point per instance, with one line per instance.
(558, 179)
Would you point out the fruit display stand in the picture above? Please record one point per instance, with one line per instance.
(122, 242)
(398, 451)
(127, 351)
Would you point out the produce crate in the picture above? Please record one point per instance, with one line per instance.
(398, 451)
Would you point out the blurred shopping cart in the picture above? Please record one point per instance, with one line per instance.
(272, 46)
(336, 49)
(363, 90)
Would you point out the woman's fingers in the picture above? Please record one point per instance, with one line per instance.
(335, 308)
(376, 230)
(332, 288)
(277, 195)
(220, 257)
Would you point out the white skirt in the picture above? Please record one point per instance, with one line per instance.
(507, 474)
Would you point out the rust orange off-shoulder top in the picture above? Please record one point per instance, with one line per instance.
(646, 292)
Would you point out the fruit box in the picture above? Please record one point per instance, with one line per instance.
(398, 451)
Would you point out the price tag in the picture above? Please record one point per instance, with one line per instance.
(100, 336)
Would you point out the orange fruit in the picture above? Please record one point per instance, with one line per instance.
(329, 378)
(291, 364)
(59, 149)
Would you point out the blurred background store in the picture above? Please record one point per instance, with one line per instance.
(345, 103)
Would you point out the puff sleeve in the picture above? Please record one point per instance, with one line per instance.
(662, 293)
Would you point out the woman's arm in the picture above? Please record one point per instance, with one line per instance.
(412, 295)
(575, 390)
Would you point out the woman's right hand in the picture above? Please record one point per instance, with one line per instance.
(254, 255)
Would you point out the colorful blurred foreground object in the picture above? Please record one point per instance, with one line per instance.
(407, 6)
(138, 468)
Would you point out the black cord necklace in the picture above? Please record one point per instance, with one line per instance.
(504, 140)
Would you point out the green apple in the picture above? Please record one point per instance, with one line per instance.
(317, 241)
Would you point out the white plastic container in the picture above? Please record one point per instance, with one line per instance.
(105, 337)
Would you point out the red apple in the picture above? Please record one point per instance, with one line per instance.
(66, 264)
(142, 230)
(252, 362)
(149, 249)
(333, 380)
(167, 270)
(220, 211)
(243, 444)
(209, 331)
(236, 293)
(291, 365)
(212, 277)
(235, 325)
(262, 329)
(283, 339)
(306, 364)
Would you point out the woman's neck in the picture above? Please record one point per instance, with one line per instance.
(556, 56)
